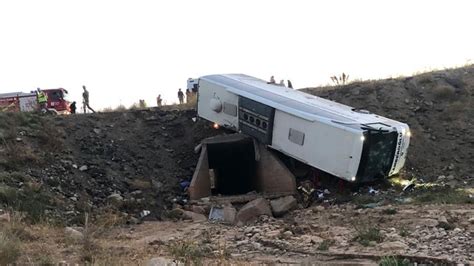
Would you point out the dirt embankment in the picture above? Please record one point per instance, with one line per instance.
(135, 160)
(119, 164)
(438, 107)
(132, 160)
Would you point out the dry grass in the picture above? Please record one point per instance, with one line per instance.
(120, 108)
(10, 248)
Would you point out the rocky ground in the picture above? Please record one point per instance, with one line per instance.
(328, 235)
(108, 188)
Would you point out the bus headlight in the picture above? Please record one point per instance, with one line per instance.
(362, 138)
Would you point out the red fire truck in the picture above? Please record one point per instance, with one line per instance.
(27, 102)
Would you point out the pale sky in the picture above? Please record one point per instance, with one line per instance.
(124, 51)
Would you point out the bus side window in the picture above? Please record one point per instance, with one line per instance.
(296, 136)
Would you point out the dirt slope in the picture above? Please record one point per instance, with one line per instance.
(438, 107)
(133, 160)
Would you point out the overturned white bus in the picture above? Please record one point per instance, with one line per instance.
(351, 144)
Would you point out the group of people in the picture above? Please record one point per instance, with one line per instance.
(282, 82)
(190, 96)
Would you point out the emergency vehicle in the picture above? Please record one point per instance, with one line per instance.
(27, 102)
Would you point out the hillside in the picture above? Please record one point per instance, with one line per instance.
(107, 188)
(132, 160)
(438, 107)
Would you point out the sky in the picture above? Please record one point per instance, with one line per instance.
(123, 51)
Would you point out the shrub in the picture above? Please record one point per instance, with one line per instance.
(394, 261)
(444, 92)
(389, 211)
(188, 252)
(365, 235)
(323, 246)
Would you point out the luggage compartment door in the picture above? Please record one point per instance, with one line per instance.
(256, 119)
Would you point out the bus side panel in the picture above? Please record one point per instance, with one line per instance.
(331, 149)
(228, 115)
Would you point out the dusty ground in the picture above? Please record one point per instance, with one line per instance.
(317, 234)
(113, 166)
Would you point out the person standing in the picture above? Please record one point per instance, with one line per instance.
(159, 100)
(72, 107)
(188, 96)
(85, 100)
(290, 85)
(180, 96)
(42, 99)
(272, 80)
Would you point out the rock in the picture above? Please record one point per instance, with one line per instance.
(115, 199)
(156, 184)
(428, 222)
(5, 217)
(176, 213)
(287, 234)
(442, 219)
(196, 217)
(319, 208)
(160, 261)
(73, 234)
(83, 168)
(252, 210)
(395, 245)
(96, 130)
(282, 205)
(273, 234)
(471, 220)
(242, 242)
(198, 209)
(133, 220)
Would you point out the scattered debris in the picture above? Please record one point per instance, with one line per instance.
(144, 213)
